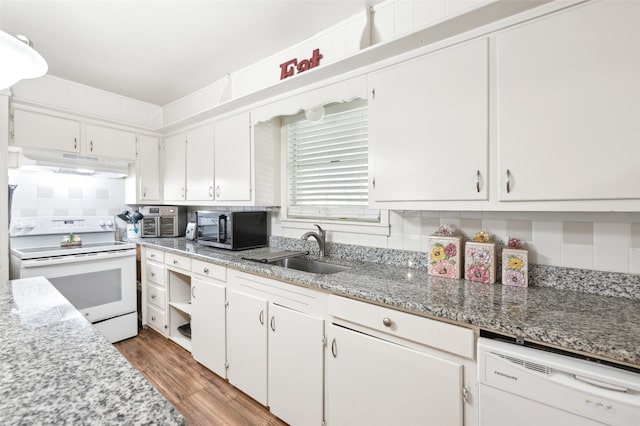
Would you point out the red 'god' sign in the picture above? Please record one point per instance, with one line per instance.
(291, 67)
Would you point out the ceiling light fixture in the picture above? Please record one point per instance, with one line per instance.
(19, 60)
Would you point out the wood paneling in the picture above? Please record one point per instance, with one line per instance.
(200, 395)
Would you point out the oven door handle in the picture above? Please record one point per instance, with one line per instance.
(83, 257)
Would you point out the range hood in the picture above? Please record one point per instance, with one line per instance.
(62, 162)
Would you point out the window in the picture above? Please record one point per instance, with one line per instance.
(328, 164)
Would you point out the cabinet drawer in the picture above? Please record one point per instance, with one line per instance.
(436, 334)
(155, 273)
(156, 319)
(177, 261)
(156, 296)
(210, 270)
(155, 255)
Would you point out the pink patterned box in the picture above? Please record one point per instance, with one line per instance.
(445, 256)
(480, 262)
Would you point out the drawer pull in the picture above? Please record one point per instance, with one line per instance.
(153, 296)
(387, 322)
(152, 256)
(206, 271)
(175, 262)
(153, 274)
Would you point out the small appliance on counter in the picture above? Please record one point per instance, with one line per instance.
(190, 233)
(163, 221)
(231, 230)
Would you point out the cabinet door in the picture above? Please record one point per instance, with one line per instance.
(233, 158)
(567, 103)
(36, 130)
(109, 142)
(375, 382)
(296, 367)
(149, 168)
(174, 168)
(208, 325)
(247, 344)
(428, 127)
(200, 163)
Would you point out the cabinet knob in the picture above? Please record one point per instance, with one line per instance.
(175, 262)
(153, 296)
(153, 274)
(206, 271)
(387, 322)
(153, 319)
(152, 256)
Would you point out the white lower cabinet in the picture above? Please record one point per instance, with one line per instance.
(295, 366)
(247, 344)
(208, 325)
(388, 367)
(375, 382)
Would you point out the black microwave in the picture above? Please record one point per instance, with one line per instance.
(231, 230)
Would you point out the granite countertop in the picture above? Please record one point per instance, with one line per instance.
(56, 368)
(602, 326)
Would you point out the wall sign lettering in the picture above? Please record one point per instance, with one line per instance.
(293, 66)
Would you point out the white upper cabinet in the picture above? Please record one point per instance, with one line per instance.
(34, 128)
(232, 160)
(200, 152)
(148, 168)
(40, 130)
(428, 127)
(104, 141)
(567, 105)
(174, 167)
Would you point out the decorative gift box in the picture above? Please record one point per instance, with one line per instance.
(445, 254)
(480, 259)
(515, 264)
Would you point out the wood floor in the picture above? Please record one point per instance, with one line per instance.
(200, 395)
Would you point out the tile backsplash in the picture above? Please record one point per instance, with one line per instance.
(596, 241)
(51, 194)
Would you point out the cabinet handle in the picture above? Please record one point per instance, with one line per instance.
(218, 191)
(144, 192)
(153, 319)
(91, 146)
(175, 262)
(373, 183)
(508, 181)
(153, 296)
(153, 274)
(206, 271)
(75, 143)
(273, 323)
(152, 256)
(193, 292)
(477, 180)
(387, 322)
(182, 192)
(334, 348)
(210, 190)
(373, 93)
(261, 317)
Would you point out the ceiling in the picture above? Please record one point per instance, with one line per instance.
(159, 51)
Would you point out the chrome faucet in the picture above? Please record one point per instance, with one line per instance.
(319, 236)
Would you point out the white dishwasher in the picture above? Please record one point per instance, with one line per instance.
(526, 387)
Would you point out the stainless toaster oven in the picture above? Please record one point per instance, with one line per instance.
(163, 221)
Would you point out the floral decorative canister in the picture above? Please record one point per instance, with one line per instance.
(515, 264)
(480, 259)
(445, 253)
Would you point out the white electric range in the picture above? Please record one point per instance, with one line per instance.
(96, 274)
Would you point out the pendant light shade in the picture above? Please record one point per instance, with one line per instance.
(19, 61)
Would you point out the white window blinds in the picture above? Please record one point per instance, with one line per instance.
(327, 164)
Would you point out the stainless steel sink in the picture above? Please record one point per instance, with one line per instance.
(307, 265)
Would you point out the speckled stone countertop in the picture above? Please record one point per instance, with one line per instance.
(56, 368)
(602, 326)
